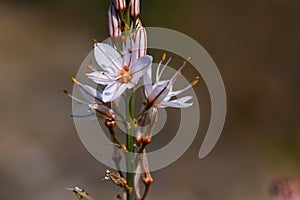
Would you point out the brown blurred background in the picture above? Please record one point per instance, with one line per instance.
(255, 44)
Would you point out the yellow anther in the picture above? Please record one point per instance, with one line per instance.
(164, 56)
(126, 68)
(196, 80)
(94, 41)
(74, 80)
(90, 66)
(179, 74)
(122, 72)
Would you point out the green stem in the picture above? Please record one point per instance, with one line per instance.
(130, 145)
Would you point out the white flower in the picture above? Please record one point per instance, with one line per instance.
(119, 71)
(93, 104)
(160, 94)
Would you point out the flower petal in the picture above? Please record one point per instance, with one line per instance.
(128, 52)
(159, 93)
(106, 55)
(113, 91)
(141, 65)
(148, 81)
(177, 103)
(100, 77)
(89, 93)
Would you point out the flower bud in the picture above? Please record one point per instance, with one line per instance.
(146, 140)
(116, 178)
(140, 40)
(113, 22)
(135, 8)
(120, 4)
(147, 180)
(80, 193)
(110, 123)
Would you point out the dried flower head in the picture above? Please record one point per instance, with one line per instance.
(80, 193)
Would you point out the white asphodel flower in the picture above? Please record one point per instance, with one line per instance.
(93, 104)
(160, 93)
(119, 71)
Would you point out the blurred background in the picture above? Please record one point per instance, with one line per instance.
(255, 44)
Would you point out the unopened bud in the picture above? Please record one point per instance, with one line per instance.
(138, 140)
(120, 5)
(135, 8)
(147, 140)
(110, 123)
(113, 22)
(141, 41)
(147, 180)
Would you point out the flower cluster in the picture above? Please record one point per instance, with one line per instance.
(122, 63)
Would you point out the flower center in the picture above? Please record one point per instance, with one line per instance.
(125, 75)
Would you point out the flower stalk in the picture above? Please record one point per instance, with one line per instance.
(130, 144)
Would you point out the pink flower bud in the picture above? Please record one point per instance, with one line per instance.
(135, 8)
(140, 40)
(113, 22)
(120, 4)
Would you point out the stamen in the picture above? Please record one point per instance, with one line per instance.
(74, 98)
(178, 71)
(126, 68)
(164, 67)
(74, 80)
(164, 56)
(196, 81)
(94, 41)
(90, 66)
(86, 91)
(179, 74)
(122, 73)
